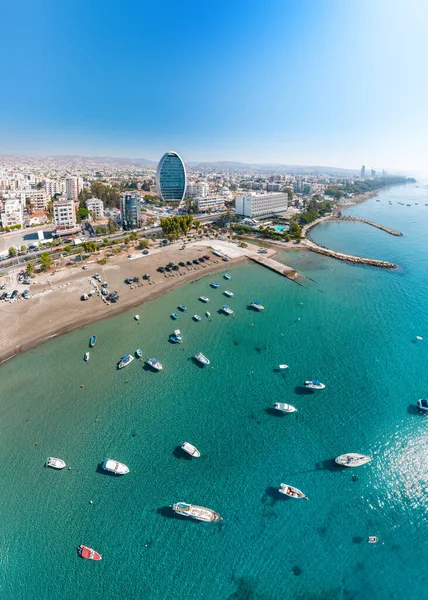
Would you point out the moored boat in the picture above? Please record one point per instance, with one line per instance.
(200, 513)
(113, 466)
(89, 553)
(227, 276)
(176, 337)
(227, 310)
(207, 314)
(55, 463)
(86, 357)
(423, 404)
(155, 364)
(190, 449)
(124, 361)
(202, 358)
(257, 306)
(291, 491)
(283, 407)
(283, 366)
(137, 317)
(182, 307)
(214, 285)
(228, 294)
(314, 385)
(196, 318)
(139, 353)
(174, 316)
(352, 459)
(204, 299)
(93, 341)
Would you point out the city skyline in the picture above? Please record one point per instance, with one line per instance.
(329, 84)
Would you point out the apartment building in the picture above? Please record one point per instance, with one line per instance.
(64, 214)
(254, 205)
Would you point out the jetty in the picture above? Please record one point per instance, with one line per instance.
(372, 223)
(274, 265)
(359, 260)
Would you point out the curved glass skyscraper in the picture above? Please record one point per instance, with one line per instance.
(171, 178)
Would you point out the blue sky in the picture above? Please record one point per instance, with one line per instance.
(331, 82)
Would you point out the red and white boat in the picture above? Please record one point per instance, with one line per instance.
(86, 552)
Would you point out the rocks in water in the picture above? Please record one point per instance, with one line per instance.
(297, 570)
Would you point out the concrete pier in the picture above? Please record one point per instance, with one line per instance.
(274, 265)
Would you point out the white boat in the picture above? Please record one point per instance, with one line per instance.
(204, 299)
(207, 314)
(288, 408)
(283, 366)
(137, 317)
(86, 357)
(214, 285)
(372, 539)
(291, 491)
(352, 459)
(227, 276)
(176, 337)
(125, 360)
(55, 463)
(257, 306)
(200, 513)
(314, 385)
(227, 310)
(228, 294)
(423, 404)
(196, 318)
(112, 466)
(202, 358)
(419, 338)
(155, 364)
(190, 449)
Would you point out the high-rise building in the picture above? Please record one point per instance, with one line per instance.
(64, 214)
(373, 173)
(363, 171)
(171, 178)
(73, 187)
(130, 211)
(96, 206)
(12, 211)
(254, 205)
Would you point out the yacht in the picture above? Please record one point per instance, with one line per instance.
(283, 366)
(112, 466)
(214, 285)
(155, 364)
(176, 337)
(208, 314)
(314, 385)
(227, 310)
(257, 306)
(55, 463)
(200, 513)
(86, 357)
(352, 459)
(196, 318)
(423, 404)
(202, 358)
(124, 361)
(291, 491)
(137, 317)
(228, 294)
(93, 341)
(139, 353)
(284, 407)
(86, 552)
(204, 299)
(182, 307)
(174, 316)
(227, 276)
(190, 449)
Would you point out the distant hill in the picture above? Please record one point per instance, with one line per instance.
(67, 159)
(270, 167)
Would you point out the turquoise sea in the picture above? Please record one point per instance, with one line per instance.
(352, 327)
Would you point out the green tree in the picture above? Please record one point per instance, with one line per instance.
(23, 248)
(67, 248)
(289, 193)
(29, 269)
(82, 214)
(133, 235)
(12, 251)
(45, 261)
(112, 227)
(295, 230)
(90, 247)
(143, 244)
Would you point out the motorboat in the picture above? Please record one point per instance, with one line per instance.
(182, 307)
(352, 459)
(86, 357)
(125, 360)
(113, 466)
(257, 306)
(89, 553)
(202, 358)
(174, 316)
(93, 341)
(55, 463)
(204, 299)
(287, 408)
(84, 297)
(137, 317)
(373, 539)
(196, 318)
(139, 353)
(227, 310)
(214, 285)
(200, 513)
(291, 491)
(283, 366)
(155, 364)
(227, 276)
(419, 338)
(176, 337)
(228, 294)
(190, 449)
(208, 314)
(423, 404)
(314, 385)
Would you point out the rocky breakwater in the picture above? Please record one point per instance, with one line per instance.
(359, 260)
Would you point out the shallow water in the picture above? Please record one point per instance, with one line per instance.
(352, 327)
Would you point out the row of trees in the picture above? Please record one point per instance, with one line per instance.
(368, 185)
(173, 227)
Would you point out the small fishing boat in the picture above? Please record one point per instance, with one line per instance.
(287, 408)
(204, 299)
(423, 404)
(291, 491)
(55, 463)
(283, 366)
(124, 361)
(139, 353)
(314, 385)
(228, 294)
(208, 314)
(174, 316)
(190, 449)
(352, 459)
(137, 317)
(227, 276)
(155, 364)
(93, 341)
(419, 338)
(257, 306)
(86, 357)
(182, 307)
(200, 513)
(372, 539)
(196, 318)
(202, 358)
(113, 466)
(176, 337)
(227, 310)
(214, 285)
(89, 553)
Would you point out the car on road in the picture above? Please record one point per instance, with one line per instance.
(85, 267)
(145, 252)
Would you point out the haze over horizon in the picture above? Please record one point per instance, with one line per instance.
(333, 84)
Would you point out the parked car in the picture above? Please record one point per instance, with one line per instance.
(182, 263)
(25, 294)
(145, 251)
(146, 276)
(14, 294)
(128, 280)
(3, 296)
(85, 267)
(136, 279)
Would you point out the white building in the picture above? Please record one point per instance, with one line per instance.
(73, 187)
(53, 186)
(12, 212)
(254, 205)
(38, 198)
(96, 206)
(64, 214)
(206, 204)
(226, 193)
(200, 189)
